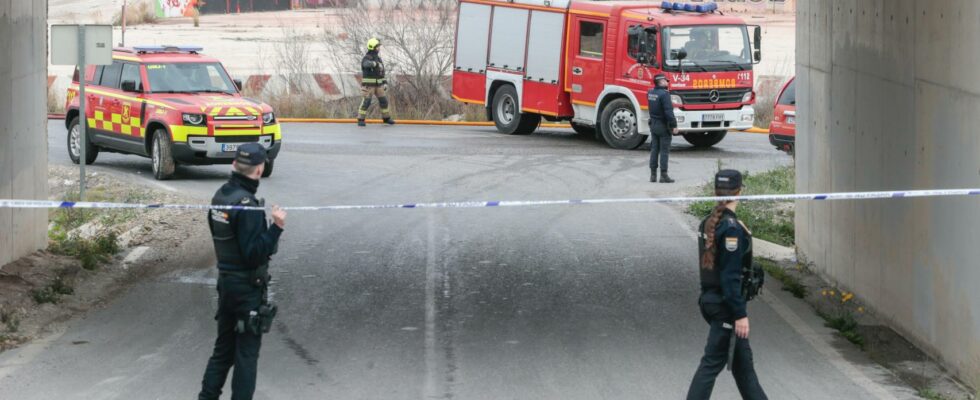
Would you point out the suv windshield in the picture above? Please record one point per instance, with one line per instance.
(709, 48)
(189, 78)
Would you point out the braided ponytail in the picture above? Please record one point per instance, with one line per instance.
(708, 258)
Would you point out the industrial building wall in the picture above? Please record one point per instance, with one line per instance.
(888, 98)
(23, 124)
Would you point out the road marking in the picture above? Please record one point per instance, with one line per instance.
(431, 358)
(817, 341)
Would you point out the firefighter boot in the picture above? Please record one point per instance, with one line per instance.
(389, 121)
(653, 175)
(665, 178)
(361, 122)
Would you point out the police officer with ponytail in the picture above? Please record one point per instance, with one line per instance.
(244, 242)
(728, 282)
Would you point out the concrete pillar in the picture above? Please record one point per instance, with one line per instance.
(888, 99)
(23, 124)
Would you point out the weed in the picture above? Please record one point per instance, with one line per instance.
(768, 220)
(790, 282)
(930, 394)
(10, 320)
(841, 319)
(91, 253)
(53, 292)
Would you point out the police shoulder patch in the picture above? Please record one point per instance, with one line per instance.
(731, 243)
(246, 200)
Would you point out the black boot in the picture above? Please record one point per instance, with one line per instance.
(653, 175)
(665, 178)
(389, 121)
(361, 122)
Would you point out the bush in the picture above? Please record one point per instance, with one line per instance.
(91, 253)
(142, 12)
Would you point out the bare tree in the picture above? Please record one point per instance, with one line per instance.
(417, 46)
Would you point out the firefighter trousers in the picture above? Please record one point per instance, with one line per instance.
(368, 93)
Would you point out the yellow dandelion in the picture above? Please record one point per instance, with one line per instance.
(824, 292)
(860, 309)
(847, 297)
(833, 293)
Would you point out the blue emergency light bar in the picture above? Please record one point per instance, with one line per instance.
(169, 49)
(688, 7)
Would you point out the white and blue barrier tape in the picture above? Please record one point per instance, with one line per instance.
(42, 204)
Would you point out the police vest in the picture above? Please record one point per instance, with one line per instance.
(752, 275)
(223, 225)
(372, 70)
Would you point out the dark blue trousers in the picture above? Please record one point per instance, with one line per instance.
(660, 139)
(236, 298)
(716, 357)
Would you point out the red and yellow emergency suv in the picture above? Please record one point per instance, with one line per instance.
(592, 62)
(170, 104)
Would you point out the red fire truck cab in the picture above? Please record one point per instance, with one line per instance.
(591, 63)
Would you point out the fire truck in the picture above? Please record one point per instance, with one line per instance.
(592, 63)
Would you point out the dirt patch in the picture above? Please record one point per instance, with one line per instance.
(49, 287)
(859, 326)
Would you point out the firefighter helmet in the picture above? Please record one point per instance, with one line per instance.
(373, 44)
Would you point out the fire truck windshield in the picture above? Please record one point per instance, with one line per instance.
(708, 48)
(189, 78)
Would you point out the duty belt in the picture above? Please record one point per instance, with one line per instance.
(373, 81)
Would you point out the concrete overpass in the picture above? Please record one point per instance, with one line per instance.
(23, 121)
(888, 99)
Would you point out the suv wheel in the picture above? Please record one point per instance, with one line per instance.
(162, 156)
(75, 145)
(619, 125)
(269, 166)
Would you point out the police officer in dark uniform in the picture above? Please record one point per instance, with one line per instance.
(244, 243)
(663, 125)
(373, 83)
(728, 282)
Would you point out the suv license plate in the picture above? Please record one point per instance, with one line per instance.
(229, 147)
(713, 117)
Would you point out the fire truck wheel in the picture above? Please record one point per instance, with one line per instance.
(75, 146)
(269, 166)
(619, 125)
(583, 130)
(162, 156)
(507, 113)
(705, 139)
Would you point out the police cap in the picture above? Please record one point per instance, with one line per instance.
(658, 77)
(728, 179)
(251, 154)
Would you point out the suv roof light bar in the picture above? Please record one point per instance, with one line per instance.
(168, 49)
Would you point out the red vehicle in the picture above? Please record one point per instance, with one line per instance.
(591, 63)
(171, 104)
(782, 131)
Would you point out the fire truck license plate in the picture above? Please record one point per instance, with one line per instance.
(229, 147)
(712, 117)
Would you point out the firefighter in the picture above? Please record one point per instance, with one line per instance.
(243, 243)
(728, 282)
(373, 83)
(663, 126)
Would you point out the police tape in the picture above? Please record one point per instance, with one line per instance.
(42, 204)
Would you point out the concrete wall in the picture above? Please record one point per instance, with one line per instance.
(23, 125)
(889, 98)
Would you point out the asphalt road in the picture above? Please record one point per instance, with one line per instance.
(583, 302)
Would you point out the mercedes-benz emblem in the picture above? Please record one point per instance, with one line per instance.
(714, 96)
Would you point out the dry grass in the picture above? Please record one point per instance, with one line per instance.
(142, 12)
